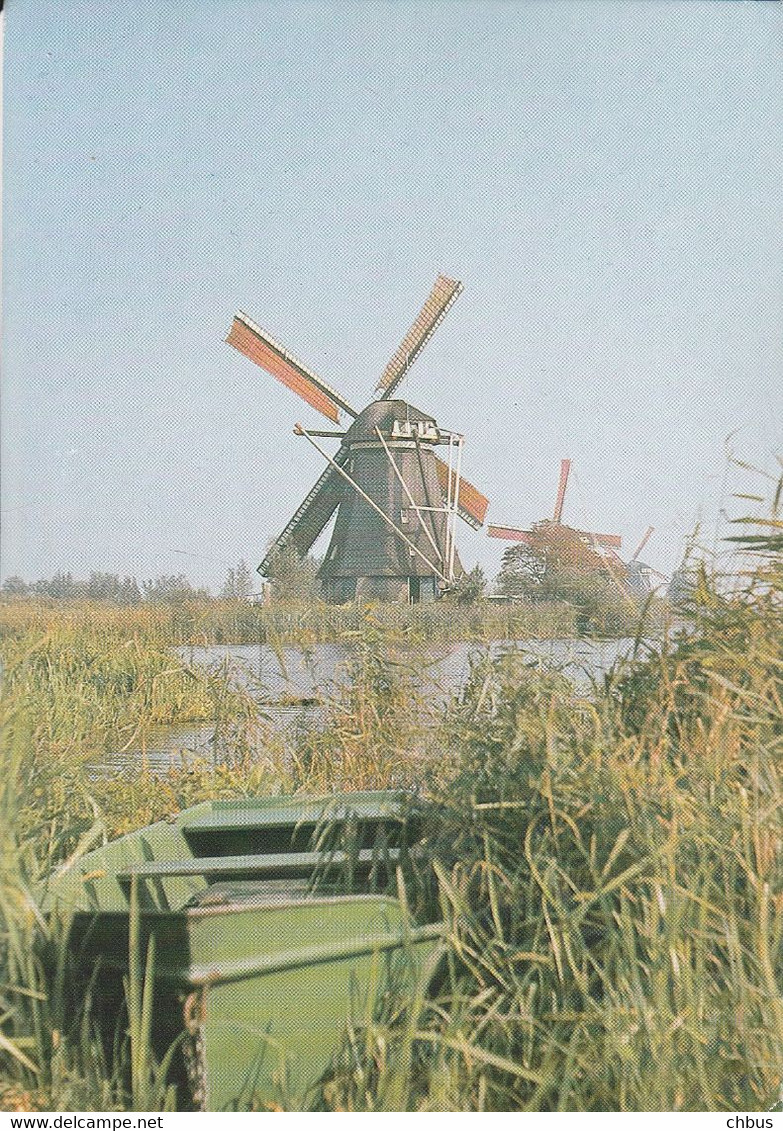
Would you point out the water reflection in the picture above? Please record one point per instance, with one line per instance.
(296, 673)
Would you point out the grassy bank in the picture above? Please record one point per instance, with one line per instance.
(610, 866)
(612, 873)
(236, 622)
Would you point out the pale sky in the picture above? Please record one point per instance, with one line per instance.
(604, 178)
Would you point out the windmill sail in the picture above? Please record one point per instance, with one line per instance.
(472, 505)
(643, 543)
(262, 348)
(442, 296)
(543, 529)
(312, 514)
(512, 534)
(609, 541)
(565, 470)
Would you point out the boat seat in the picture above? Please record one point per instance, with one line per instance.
(367, 809)
(252, 893)
(289, 864)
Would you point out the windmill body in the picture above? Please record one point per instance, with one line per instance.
(366, 558)
(643, 579)
(396, 501)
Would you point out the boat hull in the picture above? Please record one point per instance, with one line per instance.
(263, 957)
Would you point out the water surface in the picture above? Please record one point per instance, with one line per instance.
(293, 684)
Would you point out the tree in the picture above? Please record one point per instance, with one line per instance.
(469, 587)
(522, 571)
(171, 590)
(129, 593)
(293, 578)
(103, 587)
(238, 584)
(62, 587)
(15, 587)
(558, 564)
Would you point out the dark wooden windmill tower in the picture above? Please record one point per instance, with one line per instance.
(397, 502)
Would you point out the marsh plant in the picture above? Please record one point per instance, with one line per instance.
(609, 864)
(305, 623)
(381, 721)
(611, 872)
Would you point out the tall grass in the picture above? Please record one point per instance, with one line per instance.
(308, 623)
(70, 692)
(609, 865)
(84, 689)
(611, 870)
(381, 723)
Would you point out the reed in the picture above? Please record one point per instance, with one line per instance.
(609, 864)
(69, 694)
(610, 868)
(314, 622)
(381, 724)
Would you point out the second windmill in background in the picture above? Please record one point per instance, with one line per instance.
(585, 548)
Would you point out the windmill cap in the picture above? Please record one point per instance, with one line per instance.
(383, 414)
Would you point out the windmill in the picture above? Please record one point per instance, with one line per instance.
(642, 578)
(584, 551)
(397, 502)
(580, 549)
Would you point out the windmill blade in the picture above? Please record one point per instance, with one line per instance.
(443, 294)
(565, 470)
(643, 543)
(610, 541)
(472, 505)
(262, 348)
(312, 514)
(511, 534)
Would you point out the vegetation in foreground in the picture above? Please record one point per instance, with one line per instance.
(306, 623)
(610, 865)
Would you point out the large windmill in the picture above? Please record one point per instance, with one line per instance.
(394, 536)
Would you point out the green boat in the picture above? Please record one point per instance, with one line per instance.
(274, 921)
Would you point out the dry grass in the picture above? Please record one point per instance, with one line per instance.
(610, 865)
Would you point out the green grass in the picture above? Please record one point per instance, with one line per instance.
(612, 871)
(610, 865)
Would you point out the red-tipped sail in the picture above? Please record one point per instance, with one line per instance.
(262, 348)
(512, 534)
(472, 505)
(565, 470)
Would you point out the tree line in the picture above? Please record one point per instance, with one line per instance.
(526, 575)
(111, 588)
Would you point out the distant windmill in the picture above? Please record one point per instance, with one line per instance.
(394, 536)
(645, 539)
(642, 578)
(582, 546)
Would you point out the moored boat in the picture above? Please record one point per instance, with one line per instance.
(272, 922)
